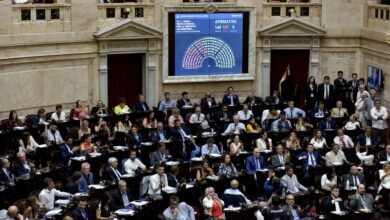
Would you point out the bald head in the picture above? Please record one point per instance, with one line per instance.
(12, 211)
(234, 184)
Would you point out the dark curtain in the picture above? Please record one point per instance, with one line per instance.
(299, 69)
(124, 78)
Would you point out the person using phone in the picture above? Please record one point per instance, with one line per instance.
(293, 211)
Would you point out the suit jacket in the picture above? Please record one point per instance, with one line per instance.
(320, 92)
(154, 135)
(77, 215)
(83, 183)
(156, 157)
(350, 178)
(290, 185)
(139, 107)
(172, 180)
(323, 125)
(353, 89)
(340, 86)
(357, 203)
(64, 155)
(382, 156)
(132, 141)
(275, 162)
(368, 104)
(184, 210)
(19, 169)
(175, 133)
(117, 201)
(6, 180)
(221, 114)
(330, 207)
(255, 99)
(363, 138)
(251, 164)
(226, 100)
(307, 92)
(109, 173)
(204, 103)
(180, 103)
(305, 162)
(270, 100)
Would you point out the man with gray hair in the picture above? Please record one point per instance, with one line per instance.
(86, 177)
(6, 176)
(121, 197)
(112, 172)
(365, 108)
(22, 165)
(236, 127)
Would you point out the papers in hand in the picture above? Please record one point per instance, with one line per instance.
(172, 163)
(267, 151)
(80, 158)
(96, 186)
(81, 194)
(169, 189)
(139, 202)
(120, 148)
(19, 128)
(62, 202)
(124, 212)
(263, 170)
(189, 186)
(42, 146)
(53, 212)
(337, 163)
(127, 175)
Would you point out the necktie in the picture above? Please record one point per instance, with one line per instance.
(281, 159)
(231, 100)
(313, 163)
(162, 155)
(291, 112)
(117, 174)
(328, 125)
(356, 182)
(199, 118)
(7, 174)
(246, 114)
(363, 202)
(339, 112)
(354, 84)
(326, 92)
(143, 106)
(182, 133)
(257, 164)
(84, 214)
(87, 179)
(343, 142)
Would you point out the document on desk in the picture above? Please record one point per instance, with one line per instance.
(124, 212)
(53, 212)
(96, 186)
(139, 202)
(42, 146)
(122, 148)
(62, 202)
(169, 189)
(80, 158)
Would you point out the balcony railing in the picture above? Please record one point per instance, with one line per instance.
(35, 18)
(378, 17)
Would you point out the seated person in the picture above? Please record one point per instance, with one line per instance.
(368, 138)
(269, 115)
(167, 103)
(134, 138)
(281, 124)
(343, 140)
(84, 129)
(122, 108)
(302, 125)
(86, 146)
(141, 105)
(329, 180)
(223, 116)
(12, 213)
(207, 102)
(212, 205)
(81, 212)
(86, 177)
(290, 181)
(121, 197)
(123, 125)
(328, 124)
(275, 211)
(264, 143)
(150, 121)
(72, 184)
(184, 101)
(53, 135)
(81, 111)
(102, 132)
(233, 190)
(252, 100)
(272, 185)
(318, 141)
(100, 109)
(227, 168)
(335, 156)
(236, 146)
(280, 159)
(180, 131)
(13, 120)
(160, 156)
(255, 162)
(172, 177)
(362, 200)
(339, 111)
(353, 179)
(132, 164)
(385, 155)
(28, 144)
(293, 142)
(103, 211)
(175, 116)
(67, 151)
(365, 157)
(210, 148)
(22, 165)
(204, 171)
(112, 172)
(252, 126)
(236, 127)
(353, 124)
(157, 182)
(6, 176)
(159, 134)
(58, 115)
(309, 158)
(48, 194)
(293, 112)
(334, 203)
(275, 99)
(319, 112)
(245, 114)
(178, 210)
(293, 211)
(198, 117)
(230, 98)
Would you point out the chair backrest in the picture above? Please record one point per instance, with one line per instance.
(143, 187)
(233, 200)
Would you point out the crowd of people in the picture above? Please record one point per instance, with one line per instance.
(268, 154)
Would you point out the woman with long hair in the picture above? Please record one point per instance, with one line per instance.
(227, 168)
(32, 208)
(310, 93)
(150, 121)
(318, 141)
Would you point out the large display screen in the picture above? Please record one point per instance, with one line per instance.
(208, 44)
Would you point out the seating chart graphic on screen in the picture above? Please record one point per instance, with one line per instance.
(208, 43)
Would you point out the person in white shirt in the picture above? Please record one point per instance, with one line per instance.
(245, 114)
(343, 140)
(318, 141)
(362, 90)
(236, 127)
(329, 180)
(379, 116)
(235, 191)
(157, 182)
(133, 164)
(352, 124)
(198, 117)
(48, 194)
(335, 156)
(264, 143)
(58, 115)
(53, 135)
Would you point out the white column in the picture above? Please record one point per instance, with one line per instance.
(266, 68)
(103, 78)
(314, 59)
(150, 85)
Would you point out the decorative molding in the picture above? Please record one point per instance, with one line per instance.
(127, 44)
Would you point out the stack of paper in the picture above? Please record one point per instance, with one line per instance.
(96, 186)
(169, 189)
(139, 202)
(80, 158)
(62, 202)
(123, 212)
(53, 212)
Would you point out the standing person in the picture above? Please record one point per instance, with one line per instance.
(326, 93)
(341, 87)
(310, 93)
(230, 99)
(379, 116)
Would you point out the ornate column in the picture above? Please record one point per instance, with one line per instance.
(266, 68)
(314, 58)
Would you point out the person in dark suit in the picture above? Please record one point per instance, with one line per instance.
(141, 105)
(353, 88)
(173, 181)
(22, 165)
(112, 172)
(353, 179)
(328, 123)
(67, 151)
(310, 93)
(230, 99)
(309, 158)
(134, 138)
(368, 138)
(6, 176)
(81, 212)
(385, 155)
(161, 155)
(121, 197)
(207, 102)
(333, 202)
(362, 200)
(275, 99)
(224, 116)
(159, 134)
(86, 177)
(326, 93)
(340, 87)
(275, 211)
(279, 159)
(255, 162)
(253, 100)
(180, 131)
(184, 101)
